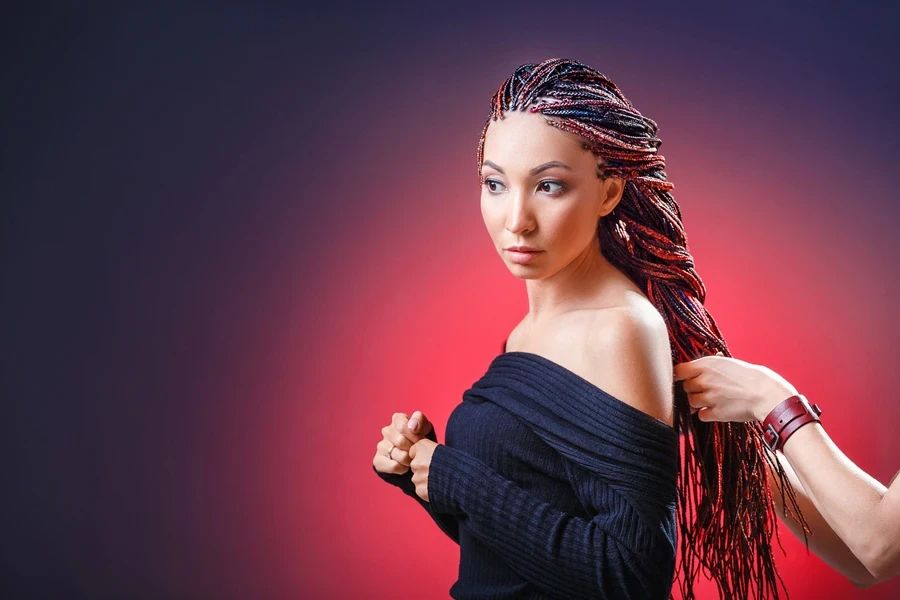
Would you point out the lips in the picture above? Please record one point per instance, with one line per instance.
(522, 257)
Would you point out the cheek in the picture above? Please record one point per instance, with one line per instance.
(571, 226)
(491, 216)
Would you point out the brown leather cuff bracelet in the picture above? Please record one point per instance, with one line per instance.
(786, 418)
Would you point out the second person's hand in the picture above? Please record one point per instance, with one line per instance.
(723, 388)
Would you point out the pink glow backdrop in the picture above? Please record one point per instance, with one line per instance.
(799, 268)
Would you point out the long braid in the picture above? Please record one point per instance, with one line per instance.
(726, 515)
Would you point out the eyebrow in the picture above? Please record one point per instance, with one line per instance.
(534, 171)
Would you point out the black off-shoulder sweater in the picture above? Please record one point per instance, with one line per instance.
(553, 488)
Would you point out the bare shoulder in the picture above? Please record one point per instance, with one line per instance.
(623, 350)
(628, 354)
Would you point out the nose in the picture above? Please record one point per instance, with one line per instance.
(519, 214)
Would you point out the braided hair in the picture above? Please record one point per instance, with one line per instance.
(725, 510)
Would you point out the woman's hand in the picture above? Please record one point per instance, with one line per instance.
(421, 453)
(728, 389)
(402, 433)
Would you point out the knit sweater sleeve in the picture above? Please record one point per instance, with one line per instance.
(446, 522)
(565, 555)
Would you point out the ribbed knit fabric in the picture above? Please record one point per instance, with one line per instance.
(553, 488)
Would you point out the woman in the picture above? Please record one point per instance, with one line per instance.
(856, 519)
(562, 467)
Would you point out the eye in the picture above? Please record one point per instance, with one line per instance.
(553, 188)
(491, 185)
(560, 189)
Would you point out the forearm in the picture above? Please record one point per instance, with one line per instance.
(858, 508)
(822, 539)
(447, 523)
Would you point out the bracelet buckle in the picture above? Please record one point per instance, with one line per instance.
(768, 432)
(792, 414)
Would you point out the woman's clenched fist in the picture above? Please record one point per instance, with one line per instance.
(406, 442)
(399, 437)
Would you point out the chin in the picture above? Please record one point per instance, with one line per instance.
(524, 271)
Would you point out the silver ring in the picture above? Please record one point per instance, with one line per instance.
(389, 451)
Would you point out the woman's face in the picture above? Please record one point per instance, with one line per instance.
(540, 189)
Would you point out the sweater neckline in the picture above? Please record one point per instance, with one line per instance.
(546, 362)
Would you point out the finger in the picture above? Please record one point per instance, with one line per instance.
(692, 368)
(398, 454)
(384, 464)
(687, 370)
(693, 385)
(699, 400)
(415, 422)
(400, 423)
(401, 456)
(390, 433)
(419, 424)
(708, 415)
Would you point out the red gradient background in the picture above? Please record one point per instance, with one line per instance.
(240, 239)
(799, 278)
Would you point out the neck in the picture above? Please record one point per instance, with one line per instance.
(574, 287)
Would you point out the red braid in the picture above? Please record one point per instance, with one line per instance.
(726, 516)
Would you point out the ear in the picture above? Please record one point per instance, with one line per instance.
(611, 192)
